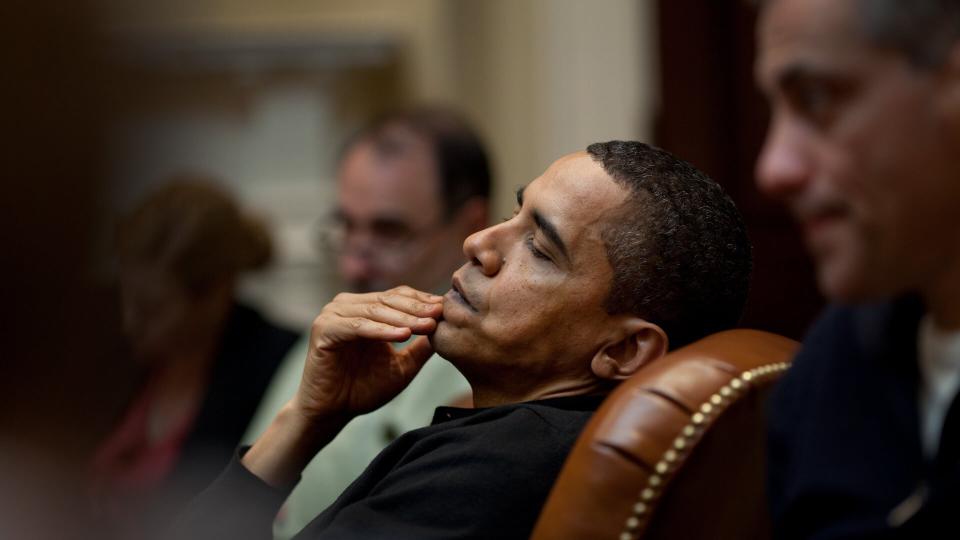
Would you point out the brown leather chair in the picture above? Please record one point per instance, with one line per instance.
(677, 451)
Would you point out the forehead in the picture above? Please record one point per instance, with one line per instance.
(577, 196)
(815, 35)
(370, 184)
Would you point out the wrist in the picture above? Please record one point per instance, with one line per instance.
(309, 416)
(289, 443)
(312, 429)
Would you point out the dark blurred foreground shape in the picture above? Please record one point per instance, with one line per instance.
(677, 451)
(61, 379)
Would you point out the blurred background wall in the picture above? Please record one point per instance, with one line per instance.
(262, 94)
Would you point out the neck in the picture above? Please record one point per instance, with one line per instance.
(492, 396)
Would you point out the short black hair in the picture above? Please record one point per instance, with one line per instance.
(678, 247)
(462, 162)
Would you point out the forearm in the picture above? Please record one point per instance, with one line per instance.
(289, 443)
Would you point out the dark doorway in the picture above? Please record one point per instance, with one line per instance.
(712, 115)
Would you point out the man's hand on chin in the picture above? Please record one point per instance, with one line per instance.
(351, 369)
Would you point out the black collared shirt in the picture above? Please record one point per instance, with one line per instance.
(473, 473)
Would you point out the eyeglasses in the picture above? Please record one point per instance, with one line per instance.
(337, 234)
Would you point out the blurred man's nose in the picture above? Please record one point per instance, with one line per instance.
(784, 165)
(481, 249)
(355, 266)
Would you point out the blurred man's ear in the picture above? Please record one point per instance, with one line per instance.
(636, 343)
(472, 216)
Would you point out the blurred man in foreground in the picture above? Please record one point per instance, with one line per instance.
(612, 256)
(863, 147)
(411, 186)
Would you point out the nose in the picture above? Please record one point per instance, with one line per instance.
(481, 249)
(784, 165)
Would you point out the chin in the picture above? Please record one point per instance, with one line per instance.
(440, 339)
(448, 344)
(843, 282)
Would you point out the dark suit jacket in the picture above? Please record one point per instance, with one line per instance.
(250, 350)
(844, 438)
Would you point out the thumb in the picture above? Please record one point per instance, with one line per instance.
(418, 352)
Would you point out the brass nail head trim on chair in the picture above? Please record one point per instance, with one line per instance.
(690, 435)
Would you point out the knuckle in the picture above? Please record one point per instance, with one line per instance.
(318, 322)
(372, 310)
(356, 323)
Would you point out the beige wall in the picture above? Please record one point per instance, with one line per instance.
(547, 77)
(539, 78)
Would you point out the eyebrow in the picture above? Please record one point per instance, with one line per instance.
(544, 224)
(803, 72)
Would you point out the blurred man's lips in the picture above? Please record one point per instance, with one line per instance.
(815, 220)
(815, 224)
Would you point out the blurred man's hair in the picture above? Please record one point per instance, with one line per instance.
(922, 30)
(462, 163)
(678, 246)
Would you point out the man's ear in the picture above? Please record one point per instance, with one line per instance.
(637, 343)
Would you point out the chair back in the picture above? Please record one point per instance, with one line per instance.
(677, 451)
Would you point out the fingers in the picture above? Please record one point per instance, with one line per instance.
(402, 307)
(415, 294)
(401, 291)
(333, 331)
(422, 305)
(392, 315)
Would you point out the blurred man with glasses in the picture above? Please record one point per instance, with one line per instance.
(411, 186)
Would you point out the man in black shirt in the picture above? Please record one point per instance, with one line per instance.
(613, 256)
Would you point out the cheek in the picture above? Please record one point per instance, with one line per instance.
(895, 138)
(549, 320)
(520, 305)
